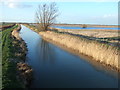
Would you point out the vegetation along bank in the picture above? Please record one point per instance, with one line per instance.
(15, 72)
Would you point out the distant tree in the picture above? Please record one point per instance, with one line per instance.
(46, 16)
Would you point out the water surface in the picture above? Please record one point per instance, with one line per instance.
(56, 68)
(67, 27)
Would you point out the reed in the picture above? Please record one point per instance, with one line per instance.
(101, 52)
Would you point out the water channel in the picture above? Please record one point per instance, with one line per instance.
(55, 67)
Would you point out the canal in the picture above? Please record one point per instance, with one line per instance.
(54, 67)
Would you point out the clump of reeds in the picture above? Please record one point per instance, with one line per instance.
(101, 52)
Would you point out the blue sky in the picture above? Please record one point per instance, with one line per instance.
(69, 12)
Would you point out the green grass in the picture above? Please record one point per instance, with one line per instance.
(9, 70)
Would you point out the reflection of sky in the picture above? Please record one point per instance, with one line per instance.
(70, 12)
(63, 27)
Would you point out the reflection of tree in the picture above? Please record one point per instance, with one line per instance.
(102, 68)
(46, 52)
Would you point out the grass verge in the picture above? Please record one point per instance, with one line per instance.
(9, 70)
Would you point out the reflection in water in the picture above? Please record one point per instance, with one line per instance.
(54, 67)
(97, 66)
(103, 68)
(46, 52)
(68, 27)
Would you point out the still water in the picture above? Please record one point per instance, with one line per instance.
(56, 68)
(67, 27)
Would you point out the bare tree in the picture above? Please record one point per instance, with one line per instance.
(46, 15)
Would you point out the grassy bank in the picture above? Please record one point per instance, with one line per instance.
(99, 51)
(13, 57)
(9, 70)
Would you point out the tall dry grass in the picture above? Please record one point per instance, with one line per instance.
(99, 33)
(101, 52)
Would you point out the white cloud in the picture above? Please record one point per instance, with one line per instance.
(109, 15)
(11, 5)
(18, 5)
(15, 3)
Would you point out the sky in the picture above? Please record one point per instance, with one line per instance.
(72, 12)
